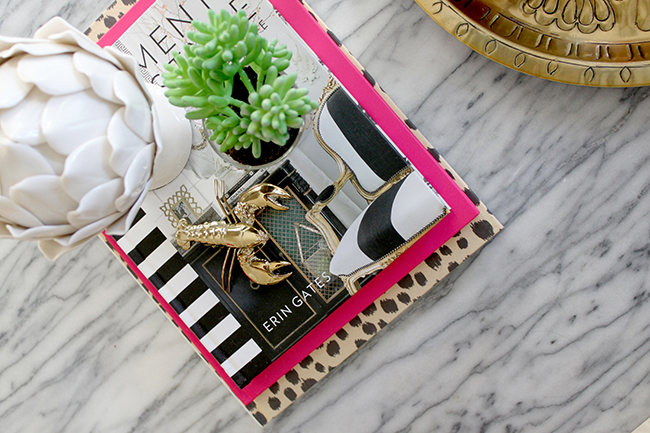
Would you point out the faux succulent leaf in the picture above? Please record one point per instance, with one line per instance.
(226, 48)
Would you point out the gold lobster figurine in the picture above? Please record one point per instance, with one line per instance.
(240, 235)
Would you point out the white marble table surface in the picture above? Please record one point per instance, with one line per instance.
(547, 329)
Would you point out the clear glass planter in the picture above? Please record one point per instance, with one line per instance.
(251, 167)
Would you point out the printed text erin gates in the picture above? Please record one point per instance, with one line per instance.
(296, 302)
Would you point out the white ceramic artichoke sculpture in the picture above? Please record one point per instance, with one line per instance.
(76, 139)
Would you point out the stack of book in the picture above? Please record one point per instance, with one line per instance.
(270, 344)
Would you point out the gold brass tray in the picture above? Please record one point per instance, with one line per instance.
(589, 42)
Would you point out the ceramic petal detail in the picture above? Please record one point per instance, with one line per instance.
(91, 229)
(56, 246)
(124, 142)
(36, 48)
(137, 114)
(54, 75)
(56, 160)
(59, 31)
(97, 203)
(100, 73)
(71, 120)
(18, 122)
(44, 197)
(40, 232)
(12, 88)
(19, 162)
(122, 225)
(86, 168)
(10, 211)
(7, 43)
(136, 178)
(3, 138)
(52, 249)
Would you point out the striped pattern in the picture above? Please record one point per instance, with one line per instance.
(354, 137)
(397, 216)
(377, 236)
(197, 306)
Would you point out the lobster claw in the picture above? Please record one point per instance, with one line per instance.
(263, 195)
(261, 271)
(257, 198)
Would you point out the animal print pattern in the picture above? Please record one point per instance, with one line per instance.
(108, 18)
(398, 298)
(376, 316)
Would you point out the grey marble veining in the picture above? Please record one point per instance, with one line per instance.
(547, 329)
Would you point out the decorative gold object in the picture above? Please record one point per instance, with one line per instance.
(181, 205)
(588, 42)
(240, 235)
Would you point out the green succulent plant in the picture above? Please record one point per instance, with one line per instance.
(203, 78)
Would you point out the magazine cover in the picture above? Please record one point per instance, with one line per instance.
(359, 202)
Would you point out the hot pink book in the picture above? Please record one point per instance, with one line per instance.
(254, 338)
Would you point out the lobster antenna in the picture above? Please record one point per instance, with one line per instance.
(219, 190)
(259, 248)
(232, 262)
(229, 208)
(223, 272)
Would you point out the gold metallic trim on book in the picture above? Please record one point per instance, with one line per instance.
(351, 280)
(343, 167)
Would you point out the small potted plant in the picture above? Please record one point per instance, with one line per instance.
(233, 79)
